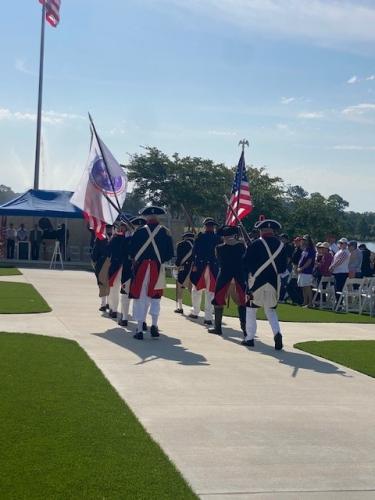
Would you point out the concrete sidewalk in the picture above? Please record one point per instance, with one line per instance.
(237, 423)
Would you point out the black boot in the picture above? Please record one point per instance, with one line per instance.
(218, 320)
(242, 316)
(154, 331)
(144, 326)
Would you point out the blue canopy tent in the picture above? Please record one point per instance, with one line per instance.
(44, 204)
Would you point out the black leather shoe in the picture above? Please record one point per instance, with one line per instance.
(248, 343)
(278, 341)
(144, 326)
(179, 311)
(113, 314)
(154, 330)
(208, 322)
(103, 308)
(193, 316)
(123, 322)
(138, 336)
(215, 331)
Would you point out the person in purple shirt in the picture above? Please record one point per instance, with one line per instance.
(305, 270)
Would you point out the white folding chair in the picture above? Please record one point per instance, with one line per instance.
(368, 296)
(350, 298)
(324, 293)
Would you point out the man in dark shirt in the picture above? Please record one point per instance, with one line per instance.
(36, 236)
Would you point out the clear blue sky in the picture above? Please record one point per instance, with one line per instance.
(295, 77)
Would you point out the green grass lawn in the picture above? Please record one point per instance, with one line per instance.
(289, 313)
(355, 354)
(21, 298)
(66, 434)
(9, 271)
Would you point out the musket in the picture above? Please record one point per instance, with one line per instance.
(245, 235)
(189, 219)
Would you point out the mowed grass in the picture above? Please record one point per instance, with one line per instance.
(21, 298)
(66, 433)
(358, 355)
(289, 313)
(9, 271)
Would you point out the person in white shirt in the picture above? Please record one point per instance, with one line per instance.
(22, 233)
(340, 265)
(355, 261)
(10, 235)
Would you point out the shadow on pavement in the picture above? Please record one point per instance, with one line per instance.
(297, 360)
(150, 349)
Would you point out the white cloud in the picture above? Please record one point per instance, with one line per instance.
(287, 100)
(226, 133)
(353, 147)
(353, 79)
(323, 21)
(20, 66)
(50, 117)
(358, 110)
(311, 115)
(371, 77)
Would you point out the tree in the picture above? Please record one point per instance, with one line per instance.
(6, 194)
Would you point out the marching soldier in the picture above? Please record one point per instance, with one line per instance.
(127, 271)
(184, 259)
(204, 270)
(231, 281)
(117, 250)
(101, 263)
(264, 260)
(151, 247)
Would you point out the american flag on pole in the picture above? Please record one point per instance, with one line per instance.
(240, 198)
(52, 11)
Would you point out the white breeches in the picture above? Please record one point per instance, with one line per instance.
(146, 304)
(125, 301)
(196, 299)
(103, 301)
(251, 321)
(114, 292)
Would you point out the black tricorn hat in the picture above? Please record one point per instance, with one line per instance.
(209, 221)
(228, 231)
(188, 234)
(152, 210)
(138, 221)
(267, 224)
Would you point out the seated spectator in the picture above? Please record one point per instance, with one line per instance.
(22, 233)
(355, 260)
(325, 260)
(340, 266)
(305, 270)
(366, 269)
(318, 257)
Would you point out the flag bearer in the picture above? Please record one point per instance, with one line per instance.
(127, 270)
(231, 281)
(265, 260)
(204, 270)
(101, 263)
(184, 259)
(151, 248)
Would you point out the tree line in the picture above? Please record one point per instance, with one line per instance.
(200, 184)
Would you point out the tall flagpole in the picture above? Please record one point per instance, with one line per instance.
(40, 96)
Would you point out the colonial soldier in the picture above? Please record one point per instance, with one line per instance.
(231, 280)
(101, 263)
(127, 270)
(184, 259)
(264, 260)
(204, 270)
(151, 247)
(117, 250)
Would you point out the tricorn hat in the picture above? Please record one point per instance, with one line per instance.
(267, 224)
(138, 221)
(188, 234)
(152, 210)
(209, 221)
(228, 231)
